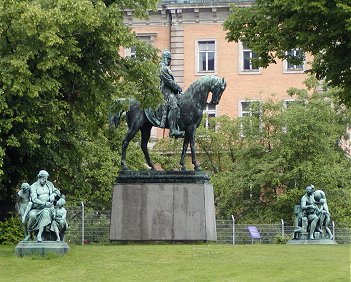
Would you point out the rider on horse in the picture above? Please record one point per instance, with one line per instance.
(170, 90)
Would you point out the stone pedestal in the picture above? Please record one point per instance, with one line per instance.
(41, 248)
(163, 206)
(312, 242)
(301, 237)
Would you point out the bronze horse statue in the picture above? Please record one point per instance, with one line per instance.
(191, 105)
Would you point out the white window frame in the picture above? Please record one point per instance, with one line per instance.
(242, 49)
(286, 105)
(295, 68)
(131, 52)
(147, 37)
(197, 55)
(208, 114)
(241, 112)
(286, 102)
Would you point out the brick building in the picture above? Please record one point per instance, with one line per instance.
(193, 31)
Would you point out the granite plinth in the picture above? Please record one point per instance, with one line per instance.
(28, 248)
(312, 242)
(153, 176)
(163, 210)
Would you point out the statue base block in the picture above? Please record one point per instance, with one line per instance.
(312, 242)
(29, 248)
(162, 206)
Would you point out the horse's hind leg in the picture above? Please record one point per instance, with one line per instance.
(145, 136)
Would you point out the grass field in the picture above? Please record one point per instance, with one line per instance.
(202, 262)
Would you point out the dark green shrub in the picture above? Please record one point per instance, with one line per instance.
(279, 239)
(11, 231)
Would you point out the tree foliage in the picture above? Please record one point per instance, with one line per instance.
(322, 28)
(60, 70)
(261, 164)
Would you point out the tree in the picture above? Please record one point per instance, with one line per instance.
(60, 71)
(261, 164)
(322, 28)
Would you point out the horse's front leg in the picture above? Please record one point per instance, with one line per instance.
(145, 136)
(185, 147)
(192, 148)
(123, 155)
(129, 136)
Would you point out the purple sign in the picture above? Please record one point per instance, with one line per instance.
(254, 232)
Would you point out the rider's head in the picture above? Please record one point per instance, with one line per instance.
(166, 57)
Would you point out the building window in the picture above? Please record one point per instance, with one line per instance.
(209, 112)
(131, 52)
(345, 142)
(206, 56)
(246, 63)
(287, 103)
(249, 108)
(291, 67)
(249, 112)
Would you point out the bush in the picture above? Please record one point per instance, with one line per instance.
(279, 239)
(11, 231)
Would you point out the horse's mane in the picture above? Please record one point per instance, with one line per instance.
(200, 85)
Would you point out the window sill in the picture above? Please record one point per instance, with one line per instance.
(203, 73)
(250, 72)
(293, 71)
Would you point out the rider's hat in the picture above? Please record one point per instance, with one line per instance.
(167, 54)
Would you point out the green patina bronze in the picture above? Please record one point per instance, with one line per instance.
(312, 216)
(182, 113)
(172, 92)
(41, 209)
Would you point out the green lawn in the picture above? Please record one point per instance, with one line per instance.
(212, 262)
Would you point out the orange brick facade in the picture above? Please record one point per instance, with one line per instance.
(240, 86)
(179, 25)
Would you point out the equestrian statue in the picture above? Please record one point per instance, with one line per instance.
(181, 113)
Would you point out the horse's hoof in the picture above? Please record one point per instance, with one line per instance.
(197, 168)
(183, 168)
(124, 168)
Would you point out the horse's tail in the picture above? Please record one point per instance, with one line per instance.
(122, 105)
